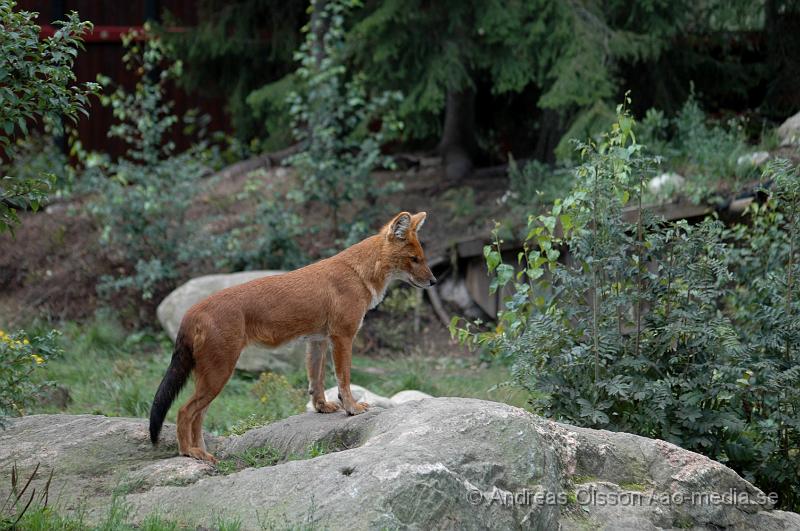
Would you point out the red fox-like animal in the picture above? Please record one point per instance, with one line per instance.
(324, 302)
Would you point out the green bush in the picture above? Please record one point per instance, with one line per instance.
(335, 117)
(37, 84)
(20, 356)
(764, 304)
(702, 150)
(155, 206)
(685, 333)
(534, 185)
(278, 397)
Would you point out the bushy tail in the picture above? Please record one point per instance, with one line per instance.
(178, 372)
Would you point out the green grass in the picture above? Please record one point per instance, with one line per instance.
(108, 371)
(444, 376)
(250, 458)
(269, 456)
(116, 519)
(638, 487)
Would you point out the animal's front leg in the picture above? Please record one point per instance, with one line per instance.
(315, 365)
(342, 356)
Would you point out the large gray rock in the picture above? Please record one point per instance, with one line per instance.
(426, 464)
(789, 131)
(91, 456)
(254, 358)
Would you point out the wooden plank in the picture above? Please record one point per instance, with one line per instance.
(669, 211)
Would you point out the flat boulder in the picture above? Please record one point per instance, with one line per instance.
(433, 463)
(254, 358)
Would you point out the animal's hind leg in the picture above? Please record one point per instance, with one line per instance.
(315, 365)
(211, 376)
(197, 430)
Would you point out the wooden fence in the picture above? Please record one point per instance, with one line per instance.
(103, 55)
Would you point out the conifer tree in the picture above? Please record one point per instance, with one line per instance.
(237, 47)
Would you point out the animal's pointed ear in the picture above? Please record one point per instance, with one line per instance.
(398, 227)
(418, 220)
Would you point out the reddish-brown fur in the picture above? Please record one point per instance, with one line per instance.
(325, 302)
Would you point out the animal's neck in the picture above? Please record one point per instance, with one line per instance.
(365, 258)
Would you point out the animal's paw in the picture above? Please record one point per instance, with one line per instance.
(326, 407)
(358, 408)
(200, 454)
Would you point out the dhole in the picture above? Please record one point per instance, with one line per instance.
(324, 302)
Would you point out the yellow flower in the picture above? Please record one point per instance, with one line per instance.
(2, 333)
(26, 342)
(37, 358)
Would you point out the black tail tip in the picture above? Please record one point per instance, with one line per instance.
(154, 436)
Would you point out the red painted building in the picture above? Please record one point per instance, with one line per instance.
(103, 55)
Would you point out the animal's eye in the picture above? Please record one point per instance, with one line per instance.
(414, 259)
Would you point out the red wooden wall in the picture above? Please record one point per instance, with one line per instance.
(103, 55)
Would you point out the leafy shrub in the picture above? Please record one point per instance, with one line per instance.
(20, 356)
(460, 202)
(279, 398)
(705, 152)
(340, 125)
(534, 185)
(397, 318)
(147, 202)
(765, 305)
(685, 333)
(266, 233)
(37, 155)
(38, 84)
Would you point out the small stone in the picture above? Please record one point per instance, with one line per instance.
(408, 396)
(757, 158)
(666, 183)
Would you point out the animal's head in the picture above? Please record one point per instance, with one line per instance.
(405, 255)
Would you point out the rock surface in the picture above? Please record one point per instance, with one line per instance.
(666, 183)
(426, 464)
(362, 394)
(756, 158)
(789, 131)
(253, 358)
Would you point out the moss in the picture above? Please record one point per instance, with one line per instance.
(638, 487)
(572, 497)
(682, 522)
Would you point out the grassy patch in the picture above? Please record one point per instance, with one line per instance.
(318, 449)
(117, 519)
(445, 376)
(250, 458)
(108, 371)
(269, 456)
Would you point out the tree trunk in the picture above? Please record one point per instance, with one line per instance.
(319, 27)
(550, 132)
(783, 40)
(458, 146)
